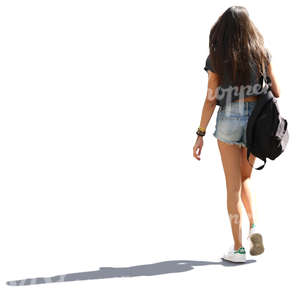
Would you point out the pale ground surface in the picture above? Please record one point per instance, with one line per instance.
(100, 101)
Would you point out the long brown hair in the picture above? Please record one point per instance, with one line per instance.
(235, 42)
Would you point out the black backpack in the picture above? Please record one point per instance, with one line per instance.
(266, 134)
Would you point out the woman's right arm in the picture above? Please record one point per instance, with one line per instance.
(274, 85)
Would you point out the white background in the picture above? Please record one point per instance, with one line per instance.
(100, 101)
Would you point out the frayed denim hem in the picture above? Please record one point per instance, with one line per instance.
(239, 144)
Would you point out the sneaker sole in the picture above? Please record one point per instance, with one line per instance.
(257, 244)
(235, 260)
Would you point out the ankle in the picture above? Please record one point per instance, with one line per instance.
(252, 225)
(237, 247)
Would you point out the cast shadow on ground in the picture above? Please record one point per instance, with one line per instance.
(160, 268)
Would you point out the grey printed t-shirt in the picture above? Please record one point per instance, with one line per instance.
(226, 92)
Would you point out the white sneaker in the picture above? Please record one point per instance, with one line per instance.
(256, 242)
(238, 256)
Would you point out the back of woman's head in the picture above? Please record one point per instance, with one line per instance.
(234, 43)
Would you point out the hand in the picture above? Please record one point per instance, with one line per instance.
(198, 147)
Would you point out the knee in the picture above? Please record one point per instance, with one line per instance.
(233, 194)
(245, 178)
(233, 203)
(234, 190)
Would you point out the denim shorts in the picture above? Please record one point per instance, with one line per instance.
(231, 122)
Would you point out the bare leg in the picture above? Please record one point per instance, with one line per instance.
(246, 171)
(231, 155)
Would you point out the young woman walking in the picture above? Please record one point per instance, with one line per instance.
(237, 58)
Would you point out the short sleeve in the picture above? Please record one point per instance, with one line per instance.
(208, 65)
